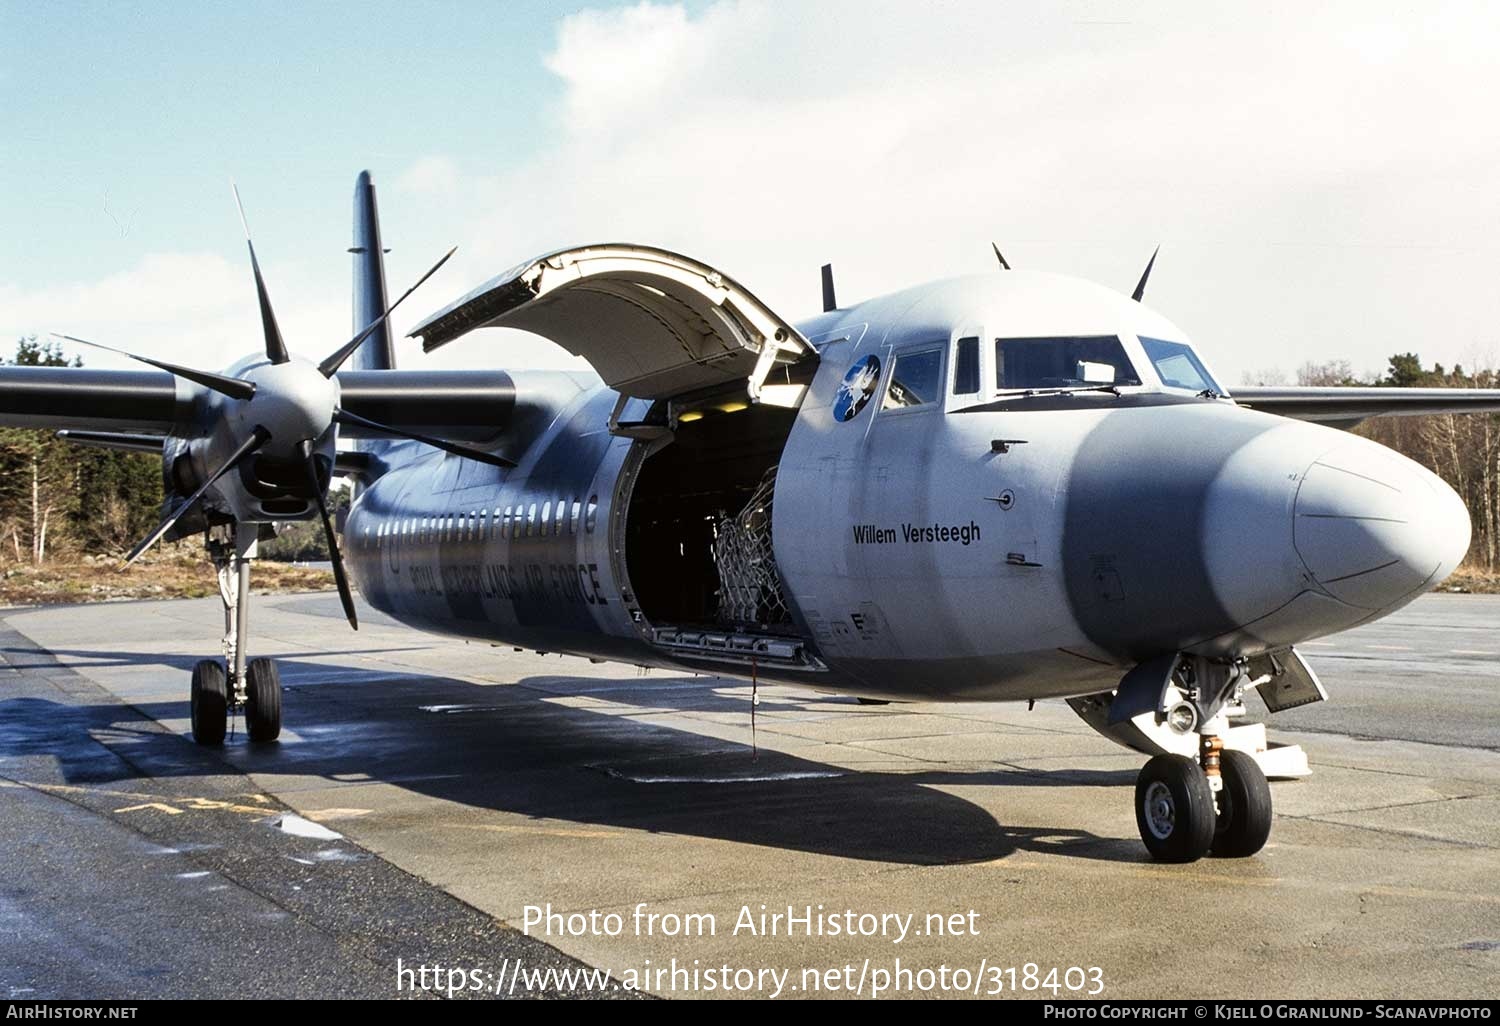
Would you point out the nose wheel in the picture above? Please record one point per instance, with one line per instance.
(238, 683)
(1182, 817)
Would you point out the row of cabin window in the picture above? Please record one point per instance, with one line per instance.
(519, 521)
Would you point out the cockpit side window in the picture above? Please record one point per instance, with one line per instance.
(1063, 362)
(916, 380)
(966, 366)
(1178, 366)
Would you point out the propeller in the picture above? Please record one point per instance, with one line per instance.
(340, 578)
(1000, 256)
(330, 366)
(257, 438)
(467, 452)
(1140, 288)
(235, 388)
(286, 409)
(275, 347)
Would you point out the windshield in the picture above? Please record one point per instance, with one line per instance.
(1178, 365)
(1067, 362)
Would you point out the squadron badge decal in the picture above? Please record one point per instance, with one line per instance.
(856, 389)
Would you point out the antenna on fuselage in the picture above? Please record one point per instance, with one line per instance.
(1140, 288)
(1000, 257)
(829, 302)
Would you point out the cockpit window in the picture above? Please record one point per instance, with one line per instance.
(915, 380)
(966, 367)
(1178, 365)
(1066, 362)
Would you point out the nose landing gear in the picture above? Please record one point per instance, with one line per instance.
(253, 686)
(1218, 803)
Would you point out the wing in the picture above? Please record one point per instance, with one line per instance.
(136, 402)
(94, 403)
(1346, 407)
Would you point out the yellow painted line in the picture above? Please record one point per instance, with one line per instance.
(502, 828)
(160, 803)
(327, 815)
(158, 806)
(1175, 873)
(1427, 895)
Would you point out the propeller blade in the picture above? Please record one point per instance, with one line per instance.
(330, 366)
(339, 577)
(232, 387)
(257, 439)
(1140, 289)
(467, 452)
(275, 347)
(1000, 256)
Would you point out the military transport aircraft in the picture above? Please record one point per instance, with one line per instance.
(1011, 486)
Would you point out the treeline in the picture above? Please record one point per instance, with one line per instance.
(60, 500)
(1463, 449)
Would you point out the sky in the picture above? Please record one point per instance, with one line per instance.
(1322, 178)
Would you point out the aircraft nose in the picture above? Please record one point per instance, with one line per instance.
(1372, 526)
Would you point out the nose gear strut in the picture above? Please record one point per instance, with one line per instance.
(239, 683)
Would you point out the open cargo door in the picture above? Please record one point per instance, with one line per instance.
(653, 324)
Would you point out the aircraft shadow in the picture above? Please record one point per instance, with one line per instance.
(595, 751)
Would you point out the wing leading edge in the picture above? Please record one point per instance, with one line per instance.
(457, 405)
(1340, 406)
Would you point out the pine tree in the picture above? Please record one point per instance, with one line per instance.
(51, 491)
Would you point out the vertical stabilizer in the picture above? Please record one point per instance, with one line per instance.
(376, 353)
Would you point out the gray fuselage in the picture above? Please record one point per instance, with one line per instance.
(973, 542)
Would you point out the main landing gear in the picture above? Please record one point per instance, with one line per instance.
(236, 684)
(1219, 802)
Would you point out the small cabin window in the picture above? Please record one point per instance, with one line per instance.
(573, 521)
(531, 520)
(915, 380)
(505, 529)
(592, 514)
(546, 518)
(966, 367)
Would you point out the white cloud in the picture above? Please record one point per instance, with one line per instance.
(192, 308)
(1320, 177)
(433, 176)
